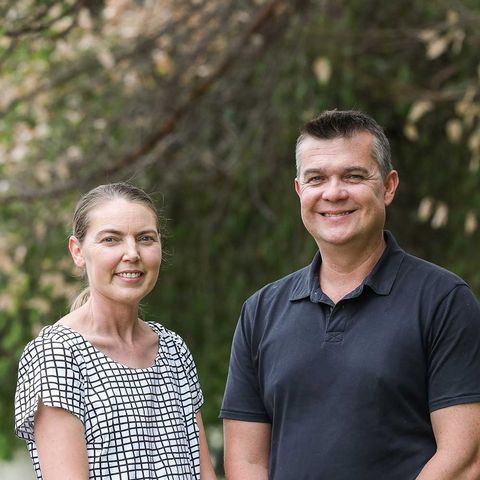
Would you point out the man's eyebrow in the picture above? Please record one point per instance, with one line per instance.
(357, 169)
(354, 168)
(309, 171)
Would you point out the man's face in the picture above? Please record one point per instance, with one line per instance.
(342, 193)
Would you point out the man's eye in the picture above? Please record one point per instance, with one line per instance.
(355, 177)
(315, 179)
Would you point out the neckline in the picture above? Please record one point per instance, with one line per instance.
(103, 354)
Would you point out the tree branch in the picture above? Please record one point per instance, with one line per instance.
(259, 20)
(31, 29)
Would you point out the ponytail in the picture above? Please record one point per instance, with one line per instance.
(81, 299)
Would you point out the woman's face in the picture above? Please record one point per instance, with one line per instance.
(121, 251)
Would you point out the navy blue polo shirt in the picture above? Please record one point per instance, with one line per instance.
(348, 388)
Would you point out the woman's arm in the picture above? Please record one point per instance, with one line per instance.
(206, 468)
(60, 442)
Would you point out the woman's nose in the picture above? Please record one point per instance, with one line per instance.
(131, 251)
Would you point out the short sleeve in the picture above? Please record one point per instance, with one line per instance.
(190, 369)
(454, 351)
(47, 371)
(242, 399)
(193, 381)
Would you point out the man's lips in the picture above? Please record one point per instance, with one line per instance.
(343, 213)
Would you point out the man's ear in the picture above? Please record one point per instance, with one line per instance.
(391, 184)
(76, 251)
(297, 186)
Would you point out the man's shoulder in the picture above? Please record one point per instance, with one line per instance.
(283, 288)
(406, 267)
(430, 273)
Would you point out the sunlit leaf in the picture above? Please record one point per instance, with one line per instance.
(437, 47)
(425, 209)
(440, 216)
(471, 223)
(322, 68)
(454, 130)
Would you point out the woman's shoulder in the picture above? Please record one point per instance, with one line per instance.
(53, 341)
(167, 336)
(59, 333)
(163, 331)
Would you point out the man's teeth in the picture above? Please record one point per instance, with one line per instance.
(129, 274)
(339, 214)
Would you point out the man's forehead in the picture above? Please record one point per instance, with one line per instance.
(337, 143)
(359, 146)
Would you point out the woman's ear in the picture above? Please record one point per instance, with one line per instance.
(76, 251)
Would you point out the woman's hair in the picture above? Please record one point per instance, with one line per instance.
(93, 199)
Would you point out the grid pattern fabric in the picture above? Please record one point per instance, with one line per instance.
(139, 422)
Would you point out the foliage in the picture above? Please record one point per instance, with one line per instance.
(201, 102)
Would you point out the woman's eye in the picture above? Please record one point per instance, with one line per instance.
(147, 238)
(108, 240)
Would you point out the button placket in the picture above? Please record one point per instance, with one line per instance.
(336, 324)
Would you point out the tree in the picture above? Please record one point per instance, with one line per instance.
(201, 102)
(94, 92)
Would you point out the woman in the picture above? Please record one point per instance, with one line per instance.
(102, 394)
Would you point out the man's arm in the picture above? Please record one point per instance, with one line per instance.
(247, 449)
(457, 433)
(60, 441)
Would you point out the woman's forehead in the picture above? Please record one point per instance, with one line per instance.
(119, 211)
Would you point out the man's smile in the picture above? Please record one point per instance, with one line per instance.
(336, 214)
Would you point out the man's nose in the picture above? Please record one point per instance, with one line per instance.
(334, 190)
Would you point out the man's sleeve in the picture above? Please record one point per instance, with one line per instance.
(243, 398)
(454, 350)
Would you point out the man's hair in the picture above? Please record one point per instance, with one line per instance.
(345, 123)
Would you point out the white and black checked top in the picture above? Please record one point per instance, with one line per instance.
(139, 422)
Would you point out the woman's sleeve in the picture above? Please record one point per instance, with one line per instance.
(49, 371)
(192, 375)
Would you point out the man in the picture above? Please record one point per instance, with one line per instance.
(364, 365)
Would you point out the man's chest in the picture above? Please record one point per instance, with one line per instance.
(364, 352)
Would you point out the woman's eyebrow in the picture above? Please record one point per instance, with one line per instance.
(111, 231)
(108, 230)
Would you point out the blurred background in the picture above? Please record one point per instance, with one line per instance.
(199, 102)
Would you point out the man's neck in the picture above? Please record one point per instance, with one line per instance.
(344, 269)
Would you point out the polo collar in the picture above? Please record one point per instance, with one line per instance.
(383, 275)
(307, 281)
(380, 280)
